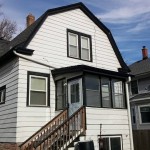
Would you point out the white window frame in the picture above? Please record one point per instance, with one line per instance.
(113, 136)
(140, 116)
(77, 38)
(89, 49)
(41, 77)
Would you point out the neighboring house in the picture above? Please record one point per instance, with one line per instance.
(140, 100)
(66, 59)
(140, 92)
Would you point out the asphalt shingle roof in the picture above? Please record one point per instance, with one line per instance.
(140, 67)
(5, 46)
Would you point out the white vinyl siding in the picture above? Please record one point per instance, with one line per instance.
(8, 110)
(50, 42)
(113, 121)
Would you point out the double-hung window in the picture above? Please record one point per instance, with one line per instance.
(38, 89)
(79, 45)
(2, 94)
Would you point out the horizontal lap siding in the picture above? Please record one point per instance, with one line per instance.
(50, 45)
(30, 119)
(50, 42)
(8, 111)
(114, 122)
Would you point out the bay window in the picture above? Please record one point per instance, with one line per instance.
(92, 86)
(106, 95)
(118, 94)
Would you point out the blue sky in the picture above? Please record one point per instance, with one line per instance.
(129, 20)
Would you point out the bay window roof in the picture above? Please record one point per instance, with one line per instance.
(85, 68)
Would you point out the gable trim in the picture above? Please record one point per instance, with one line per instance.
(91, 16)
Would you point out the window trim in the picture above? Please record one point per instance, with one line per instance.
(140, 116)
(1, 89)
(40, 75)
(80, 35)
(113, 136)
(111, 100)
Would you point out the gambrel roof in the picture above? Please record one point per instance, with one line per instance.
(23, 39)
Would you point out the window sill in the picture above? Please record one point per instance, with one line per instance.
(79, 59)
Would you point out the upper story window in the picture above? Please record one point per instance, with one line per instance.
(145, 114)
(2, 94)
(134, 87)
(79, 45)
(38, 89)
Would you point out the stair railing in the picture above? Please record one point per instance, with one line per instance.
(62, 136)
(45, 130)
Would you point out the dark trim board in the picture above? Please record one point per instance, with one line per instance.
(79, 44)
(89, 69)
(3, 88)
(48, 86)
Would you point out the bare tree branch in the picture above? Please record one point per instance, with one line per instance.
(7, 29)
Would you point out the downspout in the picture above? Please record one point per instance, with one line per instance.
(33, 60)
(129, 114)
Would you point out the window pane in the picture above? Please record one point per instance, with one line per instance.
(74, 93)
(115, 143)
(145, 114)
(38, 83)
(61, 94)
(105, 144)
(133, 115)
(134, 87)
(92, 91)
(85, 43)
(73, 51)
(37, 98)
(117, 93)
(2, 95)
(106, 99)
(85, 54)
(73, 39)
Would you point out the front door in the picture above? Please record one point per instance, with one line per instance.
(75, 95)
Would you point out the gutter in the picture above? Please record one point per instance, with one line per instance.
(129, 113)
(22, 52)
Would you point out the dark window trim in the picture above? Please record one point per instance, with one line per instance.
(111, 99)
(48, 86)
(3, 88)
(79, 44)
(113, 135)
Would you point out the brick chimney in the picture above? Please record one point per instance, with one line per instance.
(30, 19)
(145, 52)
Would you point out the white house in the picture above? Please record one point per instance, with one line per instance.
(67, 60)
